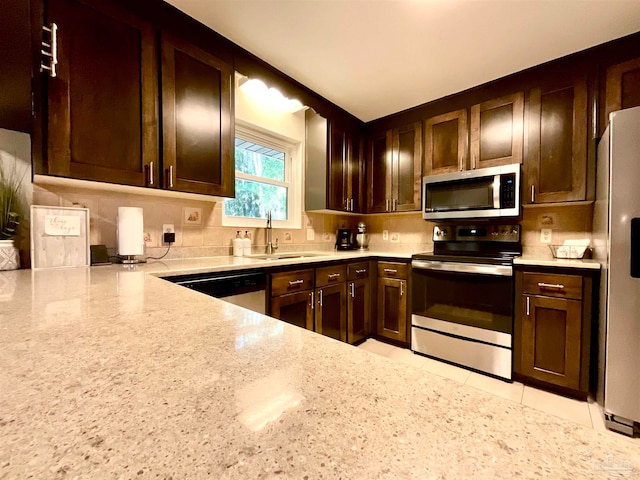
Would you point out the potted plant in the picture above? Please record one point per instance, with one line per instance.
(10, 214)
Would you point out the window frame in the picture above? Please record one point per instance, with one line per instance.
(292, 181)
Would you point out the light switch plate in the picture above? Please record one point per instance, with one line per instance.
(545, 235)
(385, 234)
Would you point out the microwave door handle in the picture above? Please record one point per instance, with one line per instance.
(496, 192)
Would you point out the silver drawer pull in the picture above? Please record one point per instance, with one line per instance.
(358, 272)
(559, 286)
(295, 282)
(311, 300)
(528, 307)
(390, 270)
(333, 275)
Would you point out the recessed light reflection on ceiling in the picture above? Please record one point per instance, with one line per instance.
(270, 97)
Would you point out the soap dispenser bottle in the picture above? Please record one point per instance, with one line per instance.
(246, 244)
(238, 245)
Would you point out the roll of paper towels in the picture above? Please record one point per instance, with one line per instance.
(130, 231)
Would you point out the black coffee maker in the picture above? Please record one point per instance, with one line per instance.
(344, 239)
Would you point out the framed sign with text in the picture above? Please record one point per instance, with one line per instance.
(59, 237)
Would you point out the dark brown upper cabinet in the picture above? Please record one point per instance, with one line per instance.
(197, 130)
(623, 86)
(344, 190)
(496, 131)
(102, 106)
(394, 169)
(555, 166)
(445, 143)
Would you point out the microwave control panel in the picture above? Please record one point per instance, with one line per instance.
(508, 190)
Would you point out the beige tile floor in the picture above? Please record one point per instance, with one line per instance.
(585, 413)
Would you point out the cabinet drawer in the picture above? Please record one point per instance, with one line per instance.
(357, 270)
(392, 270)
(287, 282)
(553, 285)
(330, 275)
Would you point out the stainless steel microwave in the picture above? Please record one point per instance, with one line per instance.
(481, 193)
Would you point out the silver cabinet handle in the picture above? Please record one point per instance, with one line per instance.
(352, 287)
(311, 300)
(351, 200)
(170, 176)
(533, 193)
(528, 306)
(52, 54)
(295, 282)
(386, 205)
(394, 205)
(401, 288)
(320, 297)
(461, 163)
(390, 270)
(558, 286)
(150, 173)
(362, 270)
(333, 275)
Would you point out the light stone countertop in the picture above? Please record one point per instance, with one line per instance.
(110, 372)
(557, 262)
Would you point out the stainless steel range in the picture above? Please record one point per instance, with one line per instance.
(462, 302)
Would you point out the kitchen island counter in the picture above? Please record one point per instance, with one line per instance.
(110, 372)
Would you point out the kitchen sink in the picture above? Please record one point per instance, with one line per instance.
(286, 256)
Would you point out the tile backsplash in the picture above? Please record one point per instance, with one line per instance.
(195, 237)
(404, 232)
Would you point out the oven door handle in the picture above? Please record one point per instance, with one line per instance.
(478, 268)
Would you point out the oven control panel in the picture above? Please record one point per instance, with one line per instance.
(477, 233)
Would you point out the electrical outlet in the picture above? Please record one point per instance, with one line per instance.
(311, 235)
(545, 235)
(385, 234)
(168, 233)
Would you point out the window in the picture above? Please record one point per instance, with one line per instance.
(267, 178)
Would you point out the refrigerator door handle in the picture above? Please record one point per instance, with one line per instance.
(635, 248)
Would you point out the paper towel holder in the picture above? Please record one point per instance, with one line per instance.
(130, 234)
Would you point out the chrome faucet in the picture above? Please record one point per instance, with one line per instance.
(270, 246)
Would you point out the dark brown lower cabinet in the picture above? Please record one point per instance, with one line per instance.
(553, 328)
(295, 308)
(358, 309)
(551, 340)
(339, 306)
(331, 315)
(392, 309)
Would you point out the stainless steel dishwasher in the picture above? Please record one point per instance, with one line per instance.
(245, 289)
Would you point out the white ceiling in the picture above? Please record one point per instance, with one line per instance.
(377, 57)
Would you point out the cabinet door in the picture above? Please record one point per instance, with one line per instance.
(551, 340)
(331, 318)
(392, 309)
(445, 143)
(379, 171)
(102, 106)
(555, 167)
(337, 188)
(295, 308)
(407, 168)
(197, 131)
(623, 86)
(358, 309)
(496, 131)
(355, 173)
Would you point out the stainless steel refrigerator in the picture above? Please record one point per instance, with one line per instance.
(616, 241)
